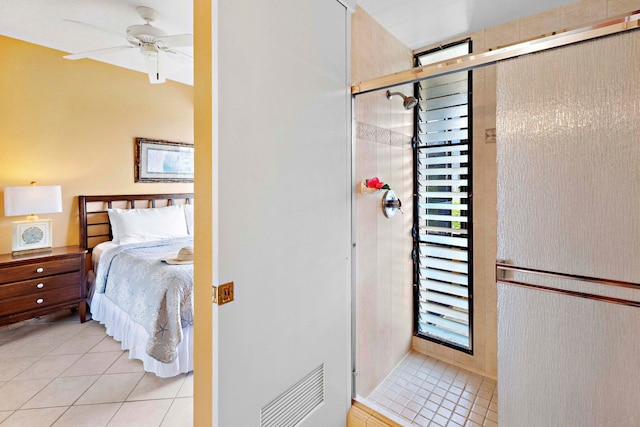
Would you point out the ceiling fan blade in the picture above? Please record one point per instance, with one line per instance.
(94, 27)
(90, 53)
(155, 69)
(179, 55)
(178, 40)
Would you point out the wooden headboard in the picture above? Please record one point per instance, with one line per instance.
(94, 220)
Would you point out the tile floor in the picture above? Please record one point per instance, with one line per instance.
(56, 371)
(423, 391)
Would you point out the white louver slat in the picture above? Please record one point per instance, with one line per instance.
(442, 171)
(443, 185)
(442, 206)
(435, 137)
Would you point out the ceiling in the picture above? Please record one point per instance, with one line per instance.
(416, 23)
(419, 23)
(43, 22)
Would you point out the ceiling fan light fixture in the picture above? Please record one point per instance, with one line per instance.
(149, 50)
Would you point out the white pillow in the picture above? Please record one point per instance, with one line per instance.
(113, 215)
(143, 225)
(188, 215)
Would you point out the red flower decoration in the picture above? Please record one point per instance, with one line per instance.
(376, 183)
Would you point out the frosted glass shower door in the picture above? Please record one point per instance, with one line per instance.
(568, 122)
(569, 203)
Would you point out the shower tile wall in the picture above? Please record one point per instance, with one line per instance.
(383, 246)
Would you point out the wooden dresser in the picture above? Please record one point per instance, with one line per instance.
(38, 284)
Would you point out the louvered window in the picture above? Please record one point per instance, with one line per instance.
(442, 229)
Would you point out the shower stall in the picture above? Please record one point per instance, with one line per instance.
(416, 388)
(394, 373)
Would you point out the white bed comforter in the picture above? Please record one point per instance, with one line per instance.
(140, 298)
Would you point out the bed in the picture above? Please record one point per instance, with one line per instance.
(137, 285)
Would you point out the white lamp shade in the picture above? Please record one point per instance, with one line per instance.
(36, 199)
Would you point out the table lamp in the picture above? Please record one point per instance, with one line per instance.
(34, 234)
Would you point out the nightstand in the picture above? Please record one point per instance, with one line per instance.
(37, 284)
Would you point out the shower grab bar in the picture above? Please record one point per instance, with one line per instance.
(503, 268)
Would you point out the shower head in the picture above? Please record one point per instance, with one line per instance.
(409, 101)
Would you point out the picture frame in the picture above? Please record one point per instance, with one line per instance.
(163, 161)
(31, 236)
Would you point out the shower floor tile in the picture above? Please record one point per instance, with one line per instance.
(423, 391)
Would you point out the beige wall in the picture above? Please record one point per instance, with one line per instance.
(383, 245)
(73, 123)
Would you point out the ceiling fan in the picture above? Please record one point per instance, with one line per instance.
(154, 44)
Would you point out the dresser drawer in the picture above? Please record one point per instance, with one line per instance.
(34, 270)
(39, 286)
(39, 300)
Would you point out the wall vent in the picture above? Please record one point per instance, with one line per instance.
(292, 406)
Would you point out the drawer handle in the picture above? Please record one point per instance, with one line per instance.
(39, 301)
(39, 270)
(40, 285)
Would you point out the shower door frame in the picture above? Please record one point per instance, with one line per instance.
(490, 56)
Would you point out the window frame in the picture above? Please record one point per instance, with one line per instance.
(416, 198)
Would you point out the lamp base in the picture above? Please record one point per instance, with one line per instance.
(28, 236)
(31, 251)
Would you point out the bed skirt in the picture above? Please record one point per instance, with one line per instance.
(134, 338)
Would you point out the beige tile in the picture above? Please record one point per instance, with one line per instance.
(4, 415)
(10, 368)
(124, 364)
(33, 417)
(35, 348)
(7, 348)
(92, 364)
(180, 413)
(477, 41)
(77, 344)
(502, 35)
(148, 413)
(621, 7)
(583, 12)
(48, 367)
(88, 415)
(61, 392)
(110, 388)
(66, 315)
(23, 331)
(93, 328)
(107, 344)
(187, 387)
(5, 333)
(15, 393)
(61, 330)
(153, 387)
(540, 23)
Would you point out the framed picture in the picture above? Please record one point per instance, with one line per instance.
(163, 161)
(31, 236)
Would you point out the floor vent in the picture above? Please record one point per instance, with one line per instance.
(292, 406)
